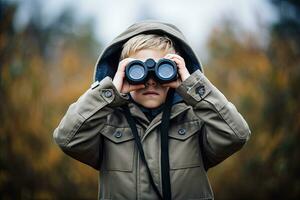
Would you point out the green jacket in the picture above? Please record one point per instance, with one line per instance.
(205, 128)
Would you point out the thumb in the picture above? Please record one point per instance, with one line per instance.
(173, 84)
(136, 87)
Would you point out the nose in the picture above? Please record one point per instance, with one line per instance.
(151, 82)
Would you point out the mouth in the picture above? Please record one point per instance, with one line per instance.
(150, 93)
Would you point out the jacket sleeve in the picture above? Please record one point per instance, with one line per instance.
(224, 131)
(78, 132)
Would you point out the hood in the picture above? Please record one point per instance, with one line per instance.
(108, 61)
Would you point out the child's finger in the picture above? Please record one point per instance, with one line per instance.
(179, 61)
(123, 63)
(168, 56)
(136, 87)
(173, 84)
(167, 85)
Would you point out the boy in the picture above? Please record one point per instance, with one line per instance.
(151, 140)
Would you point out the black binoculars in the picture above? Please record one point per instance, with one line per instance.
(163, 71)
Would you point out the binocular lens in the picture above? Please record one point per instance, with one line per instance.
(166, 71)
(136, 72)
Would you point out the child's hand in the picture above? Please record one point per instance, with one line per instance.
(182, 70)
(119, 80)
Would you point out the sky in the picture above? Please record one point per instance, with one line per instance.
(195, 18)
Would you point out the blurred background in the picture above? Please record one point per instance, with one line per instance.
(250, 50)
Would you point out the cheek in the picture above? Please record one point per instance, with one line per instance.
(135, 95)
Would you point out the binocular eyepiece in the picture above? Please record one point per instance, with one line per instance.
(163, 71)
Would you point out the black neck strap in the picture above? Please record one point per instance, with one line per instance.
(132, 125)
(165, 167)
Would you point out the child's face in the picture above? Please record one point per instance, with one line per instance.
(153, 95)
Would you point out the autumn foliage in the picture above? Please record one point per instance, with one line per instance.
(44, 69)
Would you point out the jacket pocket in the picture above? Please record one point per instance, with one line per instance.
(184, 146)
(118, 149)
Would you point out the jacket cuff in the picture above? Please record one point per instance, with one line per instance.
(100, 94)
(107, 90)
(197, 88)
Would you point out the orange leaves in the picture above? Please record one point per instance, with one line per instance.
(35, 90)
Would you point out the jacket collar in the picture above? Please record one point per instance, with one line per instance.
(138, 114)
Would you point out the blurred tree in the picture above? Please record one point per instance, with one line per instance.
(282, 108)
(238, 68)
(264, 85)
(42, 69)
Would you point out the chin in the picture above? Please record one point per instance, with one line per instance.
(151, 105)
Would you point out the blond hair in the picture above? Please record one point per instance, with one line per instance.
(147, 41)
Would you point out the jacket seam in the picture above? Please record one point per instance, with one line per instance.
(215, 156)
(228, 121)
(234, 129)
(74, 130)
